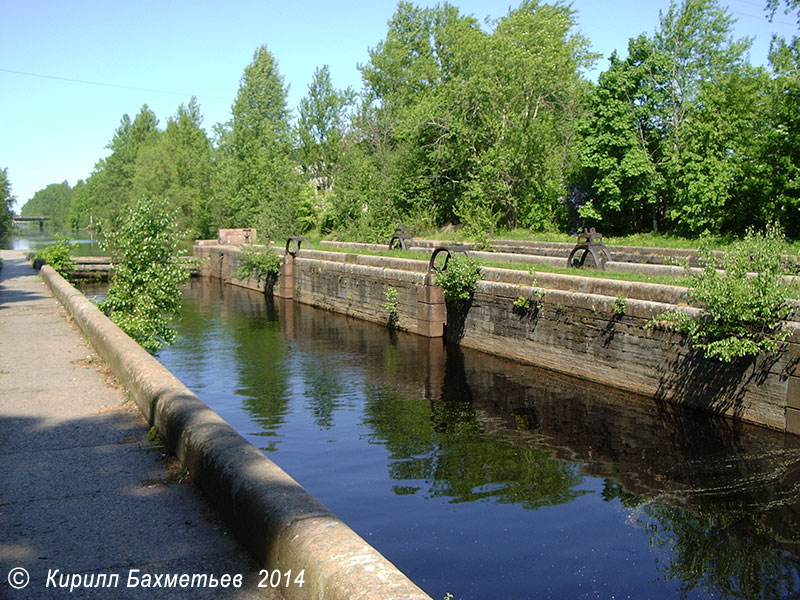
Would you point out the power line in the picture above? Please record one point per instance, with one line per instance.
(111, 85)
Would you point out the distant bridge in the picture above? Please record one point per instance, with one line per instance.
(19, 220)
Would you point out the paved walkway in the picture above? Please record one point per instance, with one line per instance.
(83, 493)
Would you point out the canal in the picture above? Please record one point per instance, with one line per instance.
(486, 479)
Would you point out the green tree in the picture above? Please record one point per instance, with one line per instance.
(53, 201)
(476, 126)
(144, 294)
(780, 158)
(321, 128)
(6, 202)
(743, 296)
(259, 184)
(177, 165)
(671, 130)
(110, 187)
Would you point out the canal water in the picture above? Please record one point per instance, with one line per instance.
(487, 479)
(29, 238)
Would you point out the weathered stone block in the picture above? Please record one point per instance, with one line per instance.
(792, 421)
(430, 294)
(431, 312)
(793, 393)
(237, 236)
(430, 328)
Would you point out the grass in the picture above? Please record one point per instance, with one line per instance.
(650, 240)
(682, 280)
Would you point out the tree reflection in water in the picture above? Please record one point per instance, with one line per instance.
(718, 501)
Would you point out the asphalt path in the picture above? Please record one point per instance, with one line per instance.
(89, 506)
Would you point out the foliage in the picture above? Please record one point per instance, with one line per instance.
(176, 164)
(482, 125)
(58, 255)
(743, 304)
(671, 131)
(522, 303)
(321, 128)
(619, 305)
(257, 184)
(53, 201)
(144, 294)
(6, 202)
(390, 295)
(474, 126)
(458, 279)
(262, 263)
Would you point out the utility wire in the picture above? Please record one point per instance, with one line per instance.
(111, 85)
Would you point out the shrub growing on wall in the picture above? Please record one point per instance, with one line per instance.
(459, 279)
(145, 293)
(58, 255)
(743, 296)
(263, 264)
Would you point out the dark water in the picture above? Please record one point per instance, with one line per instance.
(487, 479)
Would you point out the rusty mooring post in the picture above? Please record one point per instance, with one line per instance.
(591, 242)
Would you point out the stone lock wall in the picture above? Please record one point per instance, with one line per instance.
(572, 325)
(582, 335)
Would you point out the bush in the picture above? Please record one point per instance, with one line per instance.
(261, 263)
(743, 305)
(144, 294)
(58, 255)
(459, 279)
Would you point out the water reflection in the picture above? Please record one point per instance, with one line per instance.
(31, 239)
(485, 478)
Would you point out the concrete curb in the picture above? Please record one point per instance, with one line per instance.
(273, 516)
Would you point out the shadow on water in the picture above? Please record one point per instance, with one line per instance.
(423, 427)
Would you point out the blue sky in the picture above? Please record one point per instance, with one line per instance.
(55, 121)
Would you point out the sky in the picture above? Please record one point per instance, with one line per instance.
(70, 70)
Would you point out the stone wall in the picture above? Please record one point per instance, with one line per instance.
(584, 327)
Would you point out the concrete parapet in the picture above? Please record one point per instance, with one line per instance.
(278, 521)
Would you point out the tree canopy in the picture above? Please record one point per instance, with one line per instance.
(485, 125)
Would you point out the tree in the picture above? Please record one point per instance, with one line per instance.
(259, 182)
(6, 202)
(321, 128)
(53, 201)
(671, 128)
(477, 124)
(781, 151)
(144, 294)
(177, 166)
(110, 187)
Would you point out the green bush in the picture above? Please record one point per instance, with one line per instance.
(261, 263)
(619, 305)
(459, 279)
(58, 255)
(743, 304)
(146, 277)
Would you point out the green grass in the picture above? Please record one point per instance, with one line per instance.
(682, 280)
(527, 266)
(650, 240)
